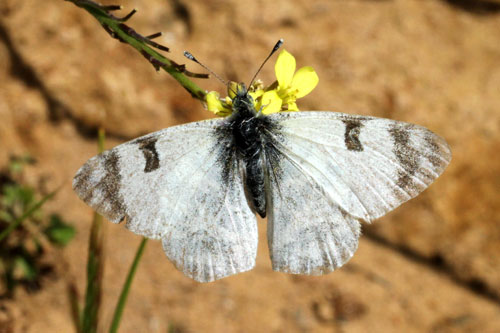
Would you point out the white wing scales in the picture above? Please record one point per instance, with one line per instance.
(175, 185)
(308, 233)
(327, 170)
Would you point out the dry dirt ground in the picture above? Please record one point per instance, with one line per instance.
(431, 265)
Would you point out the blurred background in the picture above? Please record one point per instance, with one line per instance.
(431, 265)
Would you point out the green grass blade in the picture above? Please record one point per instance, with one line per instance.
(17, 222)
(95, 267)
(75, 307)
(126, 288)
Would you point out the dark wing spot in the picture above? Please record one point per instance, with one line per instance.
(406, 155)
(110, 185)
(147, 146)
(81, 181)
(351, 135)
(98, 184)
(434, 156)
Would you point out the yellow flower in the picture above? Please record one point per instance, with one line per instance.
(292, 86)
(215, 105)
(280, 96)
(256, 94)
(269, 103)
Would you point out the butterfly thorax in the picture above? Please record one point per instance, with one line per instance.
(248, 131)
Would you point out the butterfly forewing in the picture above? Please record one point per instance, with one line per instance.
(184, 186)
(326, 170)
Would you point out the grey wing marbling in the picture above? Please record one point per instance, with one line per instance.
(177, 185)
(327, 171)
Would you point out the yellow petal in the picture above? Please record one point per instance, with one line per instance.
(293, 107)
(284, 69)
(224, 113)
(213, 102)
(215, 105)
(232, 88)
(257, 85)
(304, 81)
(256, 94)
(270, 102)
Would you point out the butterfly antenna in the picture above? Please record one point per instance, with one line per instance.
(192, 58)
(275, 48)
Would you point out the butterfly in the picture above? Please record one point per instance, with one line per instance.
(314, 175)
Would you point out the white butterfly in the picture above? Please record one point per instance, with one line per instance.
(315, 174)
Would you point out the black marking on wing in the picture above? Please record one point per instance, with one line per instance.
(111, 182)
(81, 181)
(112, 205)
(148, 148)
(351, 135)
(434, 156)
(406, 155)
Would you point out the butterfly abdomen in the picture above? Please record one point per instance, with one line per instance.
(248, 136)
(248, 144)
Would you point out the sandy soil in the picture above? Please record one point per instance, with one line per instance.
(431, 265)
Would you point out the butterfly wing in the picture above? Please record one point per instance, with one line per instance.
(327, 171)
(182, 185)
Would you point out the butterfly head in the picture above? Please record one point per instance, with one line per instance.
(242, 102)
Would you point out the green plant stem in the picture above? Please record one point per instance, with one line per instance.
(117, 29)
(75, 307)
(101, 139)
(95, 266)
(126, 288)
(17, 222)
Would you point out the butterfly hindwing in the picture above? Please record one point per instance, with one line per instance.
(308, 233)
(328, 170)
(183, 186)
